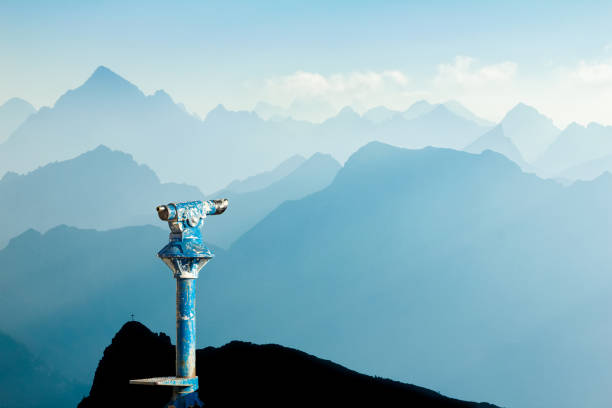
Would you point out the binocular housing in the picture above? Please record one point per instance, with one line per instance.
(191, 211)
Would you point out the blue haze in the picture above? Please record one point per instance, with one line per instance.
(450, 270)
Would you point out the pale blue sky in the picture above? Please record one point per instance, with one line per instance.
(489, 55)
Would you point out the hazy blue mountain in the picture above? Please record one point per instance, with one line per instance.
(228, 145)
(248, 208)
(419, 108)
(73, 289)
(460, 110)
(589, 170)
(107, 110)
(426, 266)
(530, 131)
(379, 114)
(100, 189)
(263, 180)
(12, 114)
(28, 382)
(439, 127)
(496, 141)
(415, 260)
(576, 145)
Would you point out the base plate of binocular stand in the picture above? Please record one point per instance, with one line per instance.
(171, 381)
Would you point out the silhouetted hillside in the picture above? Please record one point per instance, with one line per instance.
(27, 382)
(245, 374)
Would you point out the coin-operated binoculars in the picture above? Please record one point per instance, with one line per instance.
(185, 255)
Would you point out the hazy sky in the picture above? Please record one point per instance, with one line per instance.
(489, 55)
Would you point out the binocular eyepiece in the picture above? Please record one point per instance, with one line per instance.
(191, 210)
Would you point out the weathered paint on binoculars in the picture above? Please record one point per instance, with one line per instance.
(191, 211)
(186, 254)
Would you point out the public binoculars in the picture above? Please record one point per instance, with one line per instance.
(185, 255)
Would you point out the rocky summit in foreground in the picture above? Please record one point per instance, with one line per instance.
(245, 374)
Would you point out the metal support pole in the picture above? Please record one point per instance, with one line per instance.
(185, 328)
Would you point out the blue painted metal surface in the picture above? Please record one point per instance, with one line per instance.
(185, 327)
(185, 255)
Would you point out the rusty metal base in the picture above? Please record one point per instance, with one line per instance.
(190, 400)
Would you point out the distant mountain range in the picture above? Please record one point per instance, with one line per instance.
(439, 258)
(496, 140)
(264, 179)
(209, 154)
(245, 374)
(105, 189)
(382, 114)
(100, 189)
(575, 146)
(382, 271)
(12, 114)
(530, 131)
(438, 127)
(109, 110)
(248, 208)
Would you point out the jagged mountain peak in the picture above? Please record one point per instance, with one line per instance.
(103, 88)
(347, 111)
(104, 75)
(524, 112)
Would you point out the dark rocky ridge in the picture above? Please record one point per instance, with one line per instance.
(245, 374)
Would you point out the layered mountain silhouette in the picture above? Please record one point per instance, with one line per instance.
(415, 260)
(496, 141)
(264, 179)
(180, 147)
(245, 374)
(460, 110)
(577, 145)
(417, 109)
(65, 292)
(105, 189)
(381, 114)
(248, 208)
(530, 131)
(12, 114)
(100, 189)
(589, 170)
(437, 127)
(109, 110)
(28, 382)
(442, 268)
